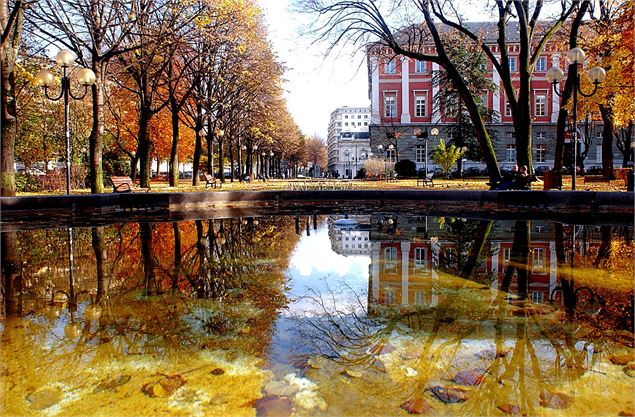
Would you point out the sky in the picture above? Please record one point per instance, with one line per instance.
(316, 85)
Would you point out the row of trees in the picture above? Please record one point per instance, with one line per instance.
(175, 81)
(411, 28)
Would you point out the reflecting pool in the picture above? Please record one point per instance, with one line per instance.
(383, 314)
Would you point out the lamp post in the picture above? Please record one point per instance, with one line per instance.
(86, 77)
(555, 75)
(423, 136)
(347, 154)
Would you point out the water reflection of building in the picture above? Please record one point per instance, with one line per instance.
(350, 235)
(407, 254)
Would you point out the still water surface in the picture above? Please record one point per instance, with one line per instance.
(376, 315)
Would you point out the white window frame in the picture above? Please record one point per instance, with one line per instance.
(541, 152)
(391, 155)
(389, 295)
(510, 152)
(508, 108)
(541, 64)
(538, 260)
(390, 67)
(512, 63)
(540, 103)
(419, 297)
(507, 255)
(420, 154)
(420, 260)
(421, 103)
(390, 106)
(390, 259)
(420, 67)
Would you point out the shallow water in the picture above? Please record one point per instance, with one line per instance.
(383, 314)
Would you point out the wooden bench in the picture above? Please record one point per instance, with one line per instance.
(210, 181)
(124, 185)
(596, 178)
(426, 180)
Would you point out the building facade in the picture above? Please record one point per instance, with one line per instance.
(348, 141)
(403, 90)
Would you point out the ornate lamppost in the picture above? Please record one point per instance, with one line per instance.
(555, 75)
(86, 77)
(423, 136)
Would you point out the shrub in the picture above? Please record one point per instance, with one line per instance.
(28, 183)
(361, 174)
(405, 168)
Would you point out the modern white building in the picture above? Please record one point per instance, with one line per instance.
(348, 140)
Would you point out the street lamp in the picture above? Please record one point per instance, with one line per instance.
(86, 77)
(423, 136)
(555, 75)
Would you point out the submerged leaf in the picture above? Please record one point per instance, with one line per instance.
(449, 395)
(417, 405)
(468, 377)
(555, 400)
(110, 384)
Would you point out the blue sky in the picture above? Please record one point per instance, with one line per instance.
(315, 85)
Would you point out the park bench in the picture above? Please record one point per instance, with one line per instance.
(596, 178)
(124, 185)
(424, 181)
(210, 181)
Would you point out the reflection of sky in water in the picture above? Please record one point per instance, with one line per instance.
(315, 268)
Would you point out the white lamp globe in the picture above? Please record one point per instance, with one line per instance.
(575, 56)
(554, 75)
(65, 58)
(44, 78)
(597, 75)
(86, 77)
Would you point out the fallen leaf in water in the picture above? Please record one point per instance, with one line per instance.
(468, 377)
(555, 400)
(629, 369)
(110, 384)
(512, 409)
(274, 406)
(417, 405)
(44, 398)
(628, 413)
(449, 395)
(217, 371)
(621, 359)
(164, 387)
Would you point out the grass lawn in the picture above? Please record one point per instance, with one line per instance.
(405, 184)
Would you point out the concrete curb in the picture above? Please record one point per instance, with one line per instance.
(89, 209)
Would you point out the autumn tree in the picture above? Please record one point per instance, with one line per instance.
(316, 152)
(608, 41)
(11, 24)
(96, 31)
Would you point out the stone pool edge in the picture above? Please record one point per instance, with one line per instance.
(174, 206)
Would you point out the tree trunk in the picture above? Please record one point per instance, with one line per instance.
(174, 150)
(231, 162)
(143, 151)
(198, 145)
(607, 140)
(11, 278)
(177, 255)
(100, 254)
(147, 257)
(480, 239)
(96, 134)
(8, 121)
(221, 165)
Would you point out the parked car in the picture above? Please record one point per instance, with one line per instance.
(593, 170)
(300, 176)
